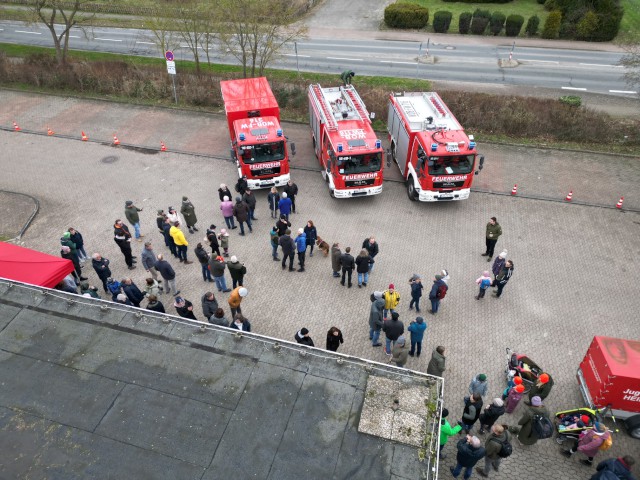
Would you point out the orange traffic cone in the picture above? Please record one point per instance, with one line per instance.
(514, 190)
(16, 127)
(115, 140)
(163, 147)
(569, 196)
(50, 132)
(84, 137)
(619, 204)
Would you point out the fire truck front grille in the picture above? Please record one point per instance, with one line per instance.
(448, 184)
(261, 172)
(360, 183)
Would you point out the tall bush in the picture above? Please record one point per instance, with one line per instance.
(479, 25)
(514, 25)
(464, 22)
(587, 26)
(442, 21)
(406, 15)
(496, 24)
(533, 23)
(551, 27)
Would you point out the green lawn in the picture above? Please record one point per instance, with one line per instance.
(630, 25)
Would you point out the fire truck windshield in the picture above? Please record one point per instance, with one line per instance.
(369, 162)
(450, 165)
(261, 153)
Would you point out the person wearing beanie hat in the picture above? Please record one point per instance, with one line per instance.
(131, 213)
(513, 397)
(284, 205)
(184, 308)
(470, 451)
(589, 443)
(494, 230)
(438, 292)
(302, 337)
(241, 212)
(392, 329)
(417, 330)
(273, 198)
(484, 281)
(237, 271)
(446, 431)
(188, 211)
(399, 354)
(416, 292)
(490, 414)
(66, 241)
(375, 318)
(498, 437)
(217, 267)
(541, 388)
(498, 264)
(226, 207)
(301, 248)
(224, 191)
(479, 385)
(223, 238)
(615, 468)
(526, 434)
(235, 299)
(391, 300)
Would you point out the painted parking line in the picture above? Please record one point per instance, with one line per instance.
(392, 61)
(32, 33)
(630, 92)
(347, 59)
(107, 39)
(574, 88)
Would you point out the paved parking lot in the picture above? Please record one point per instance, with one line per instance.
(576, 268)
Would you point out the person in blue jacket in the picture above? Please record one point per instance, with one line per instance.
(417, 330)
(301, 248)
(285, 206)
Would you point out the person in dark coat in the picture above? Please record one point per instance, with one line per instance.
(250, 199)
(132, 292)
(503, 277)
(312, 235)
(237, 271)
(498, 437)
(240, 323)
(291, 189)
(470, 451)
(168, 239)
(184, 308)
(209, 304)
(101, 266)
(542, 388)
(375, 318)
(218, 318)
(471, 412)
(372, 247)
(65, 252)
(212, 237)
(273, 198)
(437, 363)
(491, 414)
(288, 246)
(363, 261)
(348, 263)
(303, 337)
(526, 435)
(122, 299)
(217, 267)
(224, 191)
(336, 253)
(334, 339)
(416, 292)
(76, 237)
(433, 294)
(242, 185)
(122, 237)
(615, 469)
(188, 211)
(203, 258)
(241, 212)
(168, 275)
(417, 330)
(282, 225)
(498, 263)
(160, 218)
(155, 304)
(392, 329)
(90, 290)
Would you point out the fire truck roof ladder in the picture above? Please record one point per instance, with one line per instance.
(437, 104)
(355, 101)
(321, 102)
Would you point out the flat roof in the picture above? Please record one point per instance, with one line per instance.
(93, 389)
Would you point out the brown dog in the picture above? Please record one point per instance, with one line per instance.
(322, 245)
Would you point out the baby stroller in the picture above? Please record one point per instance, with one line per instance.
(523, 367)
(570, 423)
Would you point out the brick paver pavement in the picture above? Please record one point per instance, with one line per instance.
(576, 268)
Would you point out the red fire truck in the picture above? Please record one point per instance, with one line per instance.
(258, 144)
(434, 154)
(345, 144)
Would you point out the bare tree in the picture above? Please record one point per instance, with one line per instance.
(64, 13)
(195, 23)
(631, 62)
(162, 31)
(256, 30)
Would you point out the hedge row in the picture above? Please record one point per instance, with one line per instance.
(406, 15)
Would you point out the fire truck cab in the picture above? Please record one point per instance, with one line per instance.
(350, 154)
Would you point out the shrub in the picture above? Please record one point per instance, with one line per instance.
(514, 25)
(406, 15)
(608, 26)
(571, 100)
(482, 14)
(479, 25)
(496, 24)
(551, 27)
(442, 21)
(551, 5)
(541, 2)
(478, 1)
(464, 22)
(532, 26)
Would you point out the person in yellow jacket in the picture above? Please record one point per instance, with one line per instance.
(235, 299)
(391, 300)
(180, 241)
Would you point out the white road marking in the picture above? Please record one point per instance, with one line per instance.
(32, 33)
(147, 43)
(574, 88)
(630, 92)
(107, 39)
(403, 63)
(294, 55)
(543, 61)
(347, 59)
(600, 65)
(74, 36)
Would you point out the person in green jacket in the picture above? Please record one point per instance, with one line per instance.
(131, 212)
(494, 230)
(446, 431)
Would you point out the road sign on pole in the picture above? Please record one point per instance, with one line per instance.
(168, 55)
(171, 67)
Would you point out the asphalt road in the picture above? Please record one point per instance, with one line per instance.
(561, 69)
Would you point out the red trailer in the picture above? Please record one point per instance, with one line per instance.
(610, 375)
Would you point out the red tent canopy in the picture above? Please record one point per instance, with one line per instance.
(30, 266)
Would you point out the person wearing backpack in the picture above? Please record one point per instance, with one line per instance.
(497, 447)
(485, 282)
(534, 424)
(590, 442)
(615, 468)
(437, 293)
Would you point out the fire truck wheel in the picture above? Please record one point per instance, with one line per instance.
(411, 189)
(633, 426)
(393, 152)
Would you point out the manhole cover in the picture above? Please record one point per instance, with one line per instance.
(109, 159)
